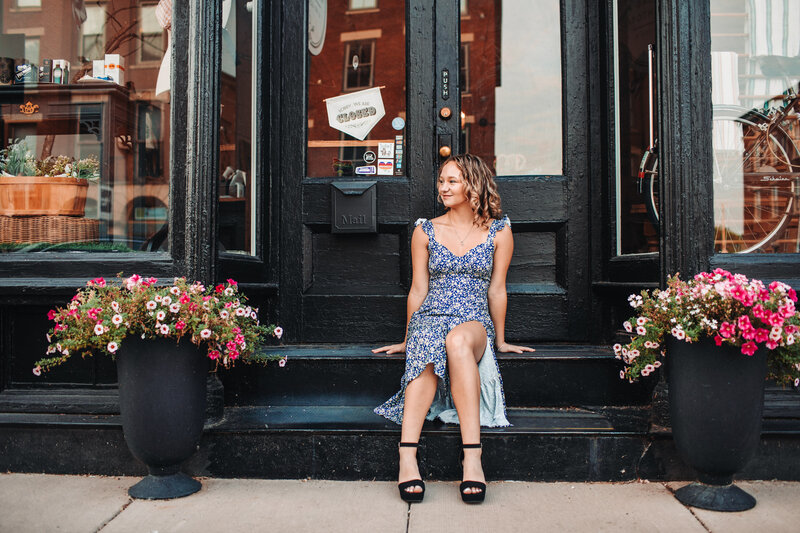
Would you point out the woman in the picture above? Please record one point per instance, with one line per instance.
(456, 316)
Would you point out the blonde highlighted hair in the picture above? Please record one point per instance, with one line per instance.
(479, 187)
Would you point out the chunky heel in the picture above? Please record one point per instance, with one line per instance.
(407, 496)
(471, 497)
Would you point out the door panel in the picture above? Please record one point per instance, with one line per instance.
(353, 287)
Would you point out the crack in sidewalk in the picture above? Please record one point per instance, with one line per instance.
(688, 508)
(130, 501)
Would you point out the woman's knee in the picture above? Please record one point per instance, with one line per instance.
(459, 345)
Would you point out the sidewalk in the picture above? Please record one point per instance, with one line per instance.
(44, 503)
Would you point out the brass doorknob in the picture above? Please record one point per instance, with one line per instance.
(445, 151)
(445, 112)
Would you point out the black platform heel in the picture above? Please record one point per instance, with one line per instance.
(411, 497)
(471, 497)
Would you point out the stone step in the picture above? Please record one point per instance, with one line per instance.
(553, 376)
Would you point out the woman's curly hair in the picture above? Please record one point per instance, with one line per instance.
(479, 186)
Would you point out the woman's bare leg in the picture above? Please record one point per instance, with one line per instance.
(419, 395)
(465, 345)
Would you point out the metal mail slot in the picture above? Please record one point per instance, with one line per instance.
(353, 207)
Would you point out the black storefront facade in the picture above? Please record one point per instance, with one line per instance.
(583, 238)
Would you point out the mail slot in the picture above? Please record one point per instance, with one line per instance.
(353, 207)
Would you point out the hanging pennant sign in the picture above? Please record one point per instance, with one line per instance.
(356, 113)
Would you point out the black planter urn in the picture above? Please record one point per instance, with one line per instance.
(162, 396)
(716, 397)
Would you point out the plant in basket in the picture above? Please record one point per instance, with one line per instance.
(164, 338)
(722, 335)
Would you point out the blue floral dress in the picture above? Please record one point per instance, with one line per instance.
(457, 292)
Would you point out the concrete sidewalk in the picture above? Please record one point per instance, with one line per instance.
(44, 503)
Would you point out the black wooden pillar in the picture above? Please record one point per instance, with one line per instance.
(202, 146)
(685, 120)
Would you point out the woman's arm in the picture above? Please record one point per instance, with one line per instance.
(419, 284)
(498, 298)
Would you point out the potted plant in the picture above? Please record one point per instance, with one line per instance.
(724, 334)
(55, 185)
(162, 337)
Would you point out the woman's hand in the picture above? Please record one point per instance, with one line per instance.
(393, 348)
(505, 347)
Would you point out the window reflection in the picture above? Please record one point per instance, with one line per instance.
(363, 48)
(85, 129)
(512, 82)
(755, 62)
(237, 182)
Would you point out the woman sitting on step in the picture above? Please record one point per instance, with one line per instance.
(456, 317)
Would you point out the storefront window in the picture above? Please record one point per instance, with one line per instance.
(237, 182)
(635, 127)
(755, 68)
(357, 89)
(513, 107)
(84, 117)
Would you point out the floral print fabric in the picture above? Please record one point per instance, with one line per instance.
(457, 292)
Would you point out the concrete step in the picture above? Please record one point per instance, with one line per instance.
(553, 376)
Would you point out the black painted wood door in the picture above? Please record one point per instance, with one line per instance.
(444, 93)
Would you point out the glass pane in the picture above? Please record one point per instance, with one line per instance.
(357, 82)
(513, 108)
(85, 127)
(635, 127)
(237, 183)
(755, 68)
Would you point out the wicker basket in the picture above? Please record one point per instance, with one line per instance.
(42, 195)
(48, 229)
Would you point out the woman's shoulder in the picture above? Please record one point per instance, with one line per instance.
(500, 223)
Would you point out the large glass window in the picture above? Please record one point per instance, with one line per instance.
(635, 127)
(357, 90)
(755, 68)
(514, 84)
(84, 127)
(237, 182)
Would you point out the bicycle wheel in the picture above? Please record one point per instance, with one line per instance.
(754, 186)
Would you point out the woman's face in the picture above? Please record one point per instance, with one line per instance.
(451, 186)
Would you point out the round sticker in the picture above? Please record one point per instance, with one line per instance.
(398, 123)
(369, 157)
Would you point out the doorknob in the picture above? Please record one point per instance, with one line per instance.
(444, 151)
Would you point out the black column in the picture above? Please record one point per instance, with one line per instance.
(685, 155)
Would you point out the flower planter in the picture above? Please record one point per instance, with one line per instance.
(42, 195)
(162, 395)
(716, 397)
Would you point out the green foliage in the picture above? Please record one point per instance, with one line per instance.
(17, 159)
(102, 315)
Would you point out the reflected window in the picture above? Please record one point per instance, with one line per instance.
(463, 67)
(755, 69)
(358, 59)
(463, 7)
(93, 42)
(151, 35)
(363, 4)
(85, 140)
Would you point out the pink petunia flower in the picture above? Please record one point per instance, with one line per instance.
(180, 324)
(727, 330)
(51, 314)
(37, 371)
(749, 348)
(761, 335)
(278, 332)
(232, 282)
(718, 340)
(213, 354)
